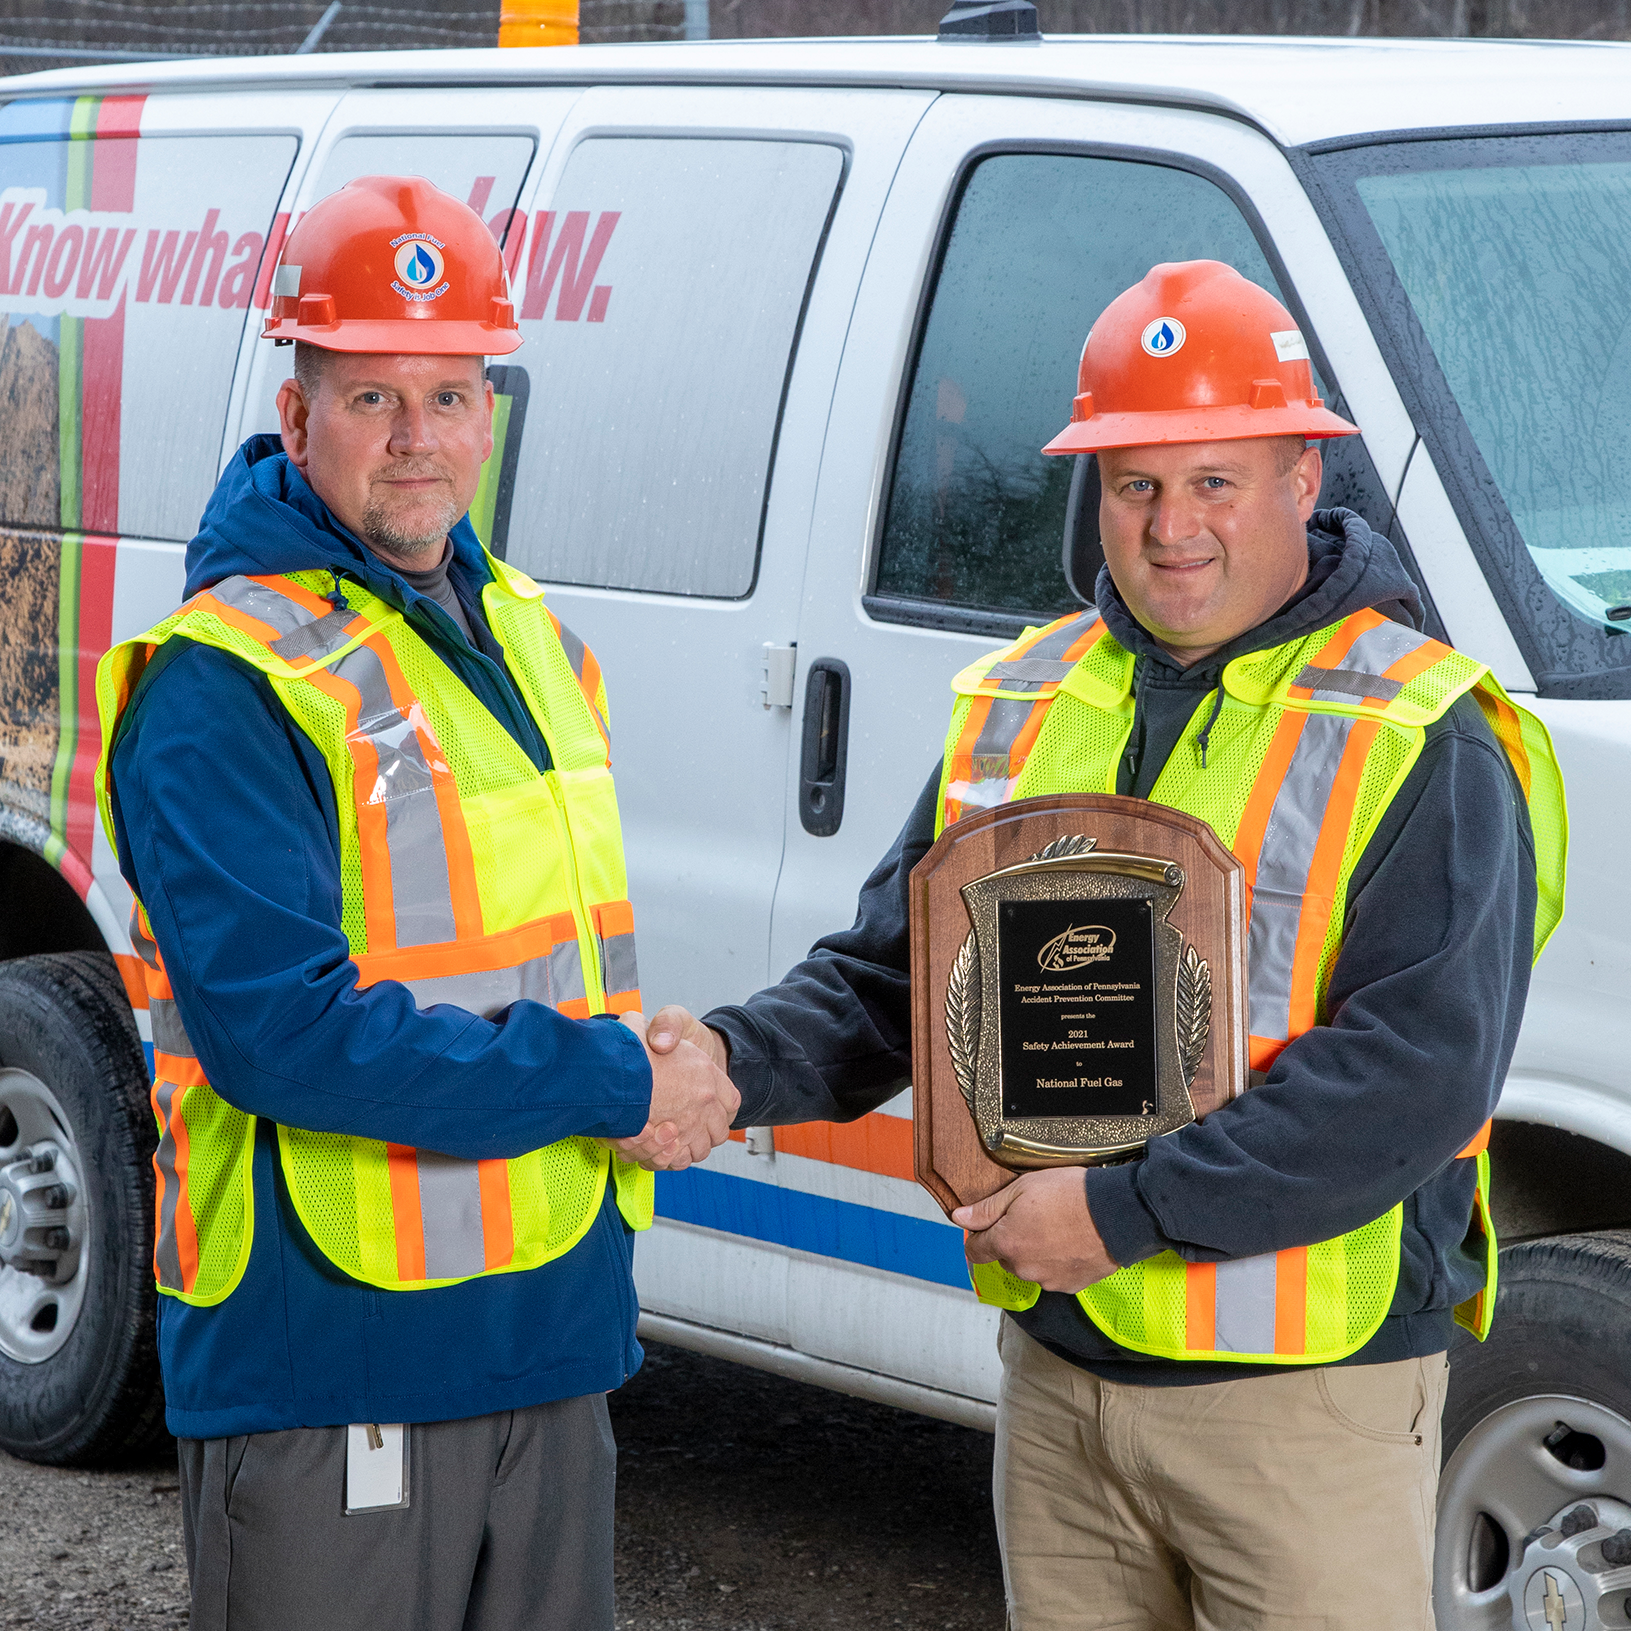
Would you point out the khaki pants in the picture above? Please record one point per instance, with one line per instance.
(1300, 1502)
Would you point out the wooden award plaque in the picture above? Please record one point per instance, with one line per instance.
(1078, 987)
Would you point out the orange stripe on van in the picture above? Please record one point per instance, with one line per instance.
(880, 1144)
(402, 1164)
(1201, 1307)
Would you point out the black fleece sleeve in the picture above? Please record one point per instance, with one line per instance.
(1424, 1008)
(834, 1039)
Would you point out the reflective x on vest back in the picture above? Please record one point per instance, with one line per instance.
(466, 875)
(1314, 739)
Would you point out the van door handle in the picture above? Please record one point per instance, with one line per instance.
(826, 746)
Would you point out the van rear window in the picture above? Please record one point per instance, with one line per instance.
(1040, 244)
(129, 265)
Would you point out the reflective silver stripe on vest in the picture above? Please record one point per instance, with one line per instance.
(618, 970)
(166, 1253)
(1244, 1305)
(1039, 669)
(989, 782)
(576, 651)
(169, 1034)
(1359, 671)
(450, 1206)
(1283, 863)
(142, 942)
(552, 979)
(301, 632)
(1043, 663)
(421, 893)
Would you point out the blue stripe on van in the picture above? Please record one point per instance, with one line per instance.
(812, 1223)
(28, 120)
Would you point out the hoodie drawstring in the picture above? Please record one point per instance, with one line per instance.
(1205, 736)
(336, 596)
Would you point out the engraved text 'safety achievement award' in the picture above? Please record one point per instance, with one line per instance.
(1078, 987)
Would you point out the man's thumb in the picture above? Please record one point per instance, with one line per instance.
(982, 1214)
(668, 1028)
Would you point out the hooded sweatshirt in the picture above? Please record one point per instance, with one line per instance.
(226, 828)
(1425, 1002)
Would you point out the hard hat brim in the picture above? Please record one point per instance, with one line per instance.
(1231, 424)
(401, 337)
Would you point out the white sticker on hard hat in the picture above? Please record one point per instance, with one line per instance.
(419, 266)
(286, 280)
(1162, 337)
(1290, 346)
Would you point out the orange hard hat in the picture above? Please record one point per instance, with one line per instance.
(1194, 353)
(391, 263)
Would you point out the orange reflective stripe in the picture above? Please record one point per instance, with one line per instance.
(186, 1229)
(613, 917)
(1319, 898)
(492, 951)
(1503, 720)
(158, 986)
(1264, 1050)
(177, 1068)
(1409, 666)
(1343, 637)
(133, 974)
(402, 1163)
(1201, 1312)
(497, 1226)
(461, 865)
(1254, 821)
(1291, 1300)
(1479, 1143)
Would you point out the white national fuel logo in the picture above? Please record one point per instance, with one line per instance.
(1077, 948)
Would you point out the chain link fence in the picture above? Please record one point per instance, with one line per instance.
(37, 34)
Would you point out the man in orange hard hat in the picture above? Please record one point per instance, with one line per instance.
(360, 788)
(1224, 1363)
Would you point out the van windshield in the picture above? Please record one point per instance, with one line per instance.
(1513, 348)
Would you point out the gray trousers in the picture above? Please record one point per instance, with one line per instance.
(508, 1528)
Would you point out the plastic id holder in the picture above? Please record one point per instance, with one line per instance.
(376, 1466)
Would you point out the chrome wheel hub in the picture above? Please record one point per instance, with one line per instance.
(44, 1221)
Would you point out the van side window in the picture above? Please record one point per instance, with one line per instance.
(1039, 245)
(660, 296)
(128, 267)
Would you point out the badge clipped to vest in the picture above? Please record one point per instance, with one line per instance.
(376, 1466)
(1078, 987)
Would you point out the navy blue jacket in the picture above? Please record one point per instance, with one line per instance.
(226, 826)
(1425, 1002)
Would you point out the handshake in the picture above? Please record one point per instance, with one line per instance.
(692, 1100)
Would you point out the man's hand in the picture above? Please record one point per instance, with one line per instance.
(673, 1025)
(692, 1103)
(1039, 1228)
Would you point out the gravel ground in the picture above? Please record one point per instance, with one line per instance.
(745, 1503)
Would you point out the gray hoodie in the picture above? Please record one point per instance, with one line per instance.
(1425, 1002)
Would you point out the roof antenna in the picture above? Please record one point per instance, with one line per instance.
(319, 29)
(990, 20)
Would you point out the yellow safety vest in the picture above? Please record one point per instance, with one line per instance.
(1314, 739)
(466, 874)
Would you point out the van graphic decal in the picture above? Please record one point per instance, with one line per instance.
(80, 262)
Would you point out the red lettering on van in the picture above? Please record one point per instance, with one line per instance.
(274, 248)
(163, 266)
(212, 246)
(103, 261)
(575, 267)
(239, 283)
(10, 225)
(59, 270)
(35, 238)
(481, 190)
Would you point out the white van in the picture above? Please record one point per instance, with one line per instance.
(799, 317)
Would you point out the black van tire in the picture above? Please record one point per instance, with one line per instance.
(65, 1020)
(1538, 1416)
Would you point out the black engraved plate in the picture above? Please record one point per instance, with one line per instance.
(1077, 1007)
